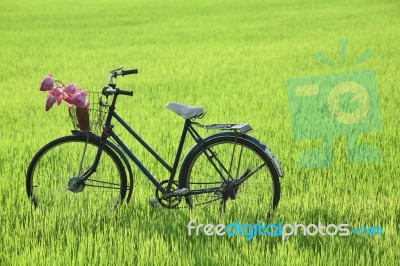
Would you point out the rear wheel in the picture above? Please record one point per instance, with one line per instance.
(55, 169)
(248, 181)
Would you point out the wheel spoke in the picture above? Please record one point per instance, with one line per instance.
(239, 161)
(231, 163)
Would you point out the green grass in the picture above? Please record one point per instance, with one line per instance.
(233, 58)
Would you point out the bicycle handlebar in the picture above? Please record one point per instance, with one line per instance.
(110, 91)
(114, 74)
(129, 93)
(120, 72)
(129, 72)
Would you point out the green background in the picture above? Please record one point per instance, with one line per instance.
(233, 58)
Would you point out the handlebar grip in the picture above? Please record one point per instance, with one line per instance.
(129, 72)
(129, 93)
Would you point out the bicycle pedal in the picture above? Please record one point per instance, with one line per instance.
(154, 202)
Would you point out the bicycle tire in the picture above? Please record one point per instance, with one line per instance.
(54, 165)
(198, 173)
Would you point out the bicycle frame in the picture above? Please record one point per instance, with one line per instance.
(171, 169)
(108, 132)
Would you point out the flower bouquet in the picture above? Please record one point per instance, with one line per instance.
(70, 94)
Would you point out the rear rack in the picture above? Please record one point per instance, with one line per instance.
(242, 128)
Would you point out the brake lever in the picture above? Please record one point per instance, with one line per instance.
(118, 69)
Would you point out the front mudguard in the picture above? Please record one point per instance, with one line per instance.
(118, 151)
(247, 137)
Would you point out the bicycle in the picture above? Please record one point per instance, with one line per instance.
(85, 170)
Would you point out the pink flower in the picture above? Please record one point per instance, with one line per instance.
(86, 105)
(58, 94)
(70, 89)
(69, 99)
(47, 83)
(50, 100)
(80, 99)
(73, 96)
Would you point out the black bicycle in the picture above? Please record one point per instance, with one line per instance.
(89, 171)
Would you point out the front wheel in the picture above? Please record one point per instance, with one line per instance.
(247, 180)
(55, 169)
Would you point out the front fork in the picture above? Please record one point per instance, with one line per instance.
(77, 182)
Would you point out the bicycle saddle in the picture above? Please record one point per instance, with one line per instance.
(186, 111)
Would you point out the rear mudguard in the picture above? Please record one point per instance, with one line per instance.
(119, 152)
(244, 136)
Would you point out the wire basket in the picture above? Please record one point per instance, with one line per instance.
(90, 119)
